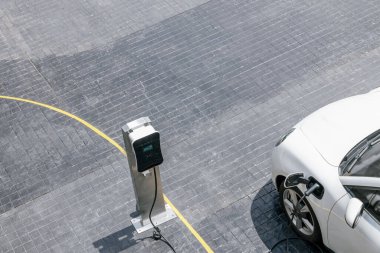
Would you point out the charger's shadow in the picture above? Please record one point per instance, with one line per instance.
(117, 241)
(270, 222)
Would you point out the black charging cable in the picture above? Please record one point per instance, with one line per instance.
(296, 207)
(157, 236)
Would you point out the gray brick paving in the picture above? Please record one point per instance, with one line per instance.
(45, 28)
(222, 80)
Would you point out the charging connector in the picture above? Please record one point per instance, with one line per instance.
(312, 189)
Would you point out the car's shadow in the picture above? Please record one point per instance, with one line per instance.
(271, 224)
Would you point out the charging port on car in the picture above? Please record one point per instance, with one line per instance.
(318, 193)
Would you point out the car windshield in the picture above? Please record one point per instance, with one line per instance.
(364, 159)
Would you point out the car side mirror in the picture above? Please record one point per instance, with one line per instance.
(293, 180)
(354, 211)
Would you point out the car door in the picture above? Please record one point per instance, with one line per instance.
(365, 236)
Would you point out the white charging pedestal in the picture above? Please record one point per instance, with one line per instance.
(142, 144)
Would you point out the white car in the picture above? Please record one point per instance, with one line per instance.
(338, 148)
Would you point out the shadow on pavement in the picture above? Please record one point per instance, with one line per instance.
(117, 241)
(271, 224)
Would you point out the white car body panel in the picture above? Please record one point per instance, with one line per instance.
(363, 238)
(344, 124)
(286, 160)
(376, 90)
(316, 148)
(362, 181)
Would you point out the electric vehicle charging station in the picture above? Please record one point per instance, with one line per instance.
(142, 143)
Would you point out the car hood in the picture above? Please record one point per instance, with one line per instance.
(336, 128)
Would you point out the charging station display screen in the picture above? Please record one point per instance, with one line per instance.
(148, 152)
(148, 148)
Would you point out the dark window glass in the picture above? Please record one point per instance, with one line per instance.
(369, 163)
(370, 198)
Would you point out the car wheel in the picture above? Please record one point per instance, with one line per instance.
(304, 223)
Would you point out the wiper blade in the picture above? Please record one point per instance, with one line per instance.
(375, 140)
(356, 158)
(354, 155)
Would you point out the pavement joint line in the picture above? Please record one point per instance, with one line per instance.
(115, 144)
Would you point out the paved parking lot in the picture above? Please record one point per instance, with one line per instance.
(221, 81)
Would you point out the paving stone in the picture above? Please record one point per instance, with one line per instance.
(221, 80)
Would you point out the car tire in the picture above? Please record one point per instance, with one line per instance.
(302, 226)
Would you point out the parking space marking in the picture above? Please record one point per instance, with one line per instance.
(115, 144)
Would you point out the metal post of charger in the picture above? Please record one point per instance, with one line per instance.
(144, 153)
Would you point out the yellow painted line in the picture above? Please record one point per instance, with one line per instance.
(96, 130)
(188, 225)
(114, 143)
